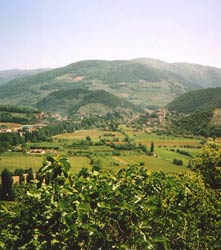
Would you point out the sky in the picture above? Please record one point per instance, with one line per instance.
(54, 33)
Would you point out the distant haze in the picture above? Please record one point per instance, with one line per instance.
(54, 33)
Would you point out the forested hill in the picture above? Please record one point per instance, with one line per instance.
(86, 101)
(198, 100)
(146, 82)
(197, 112)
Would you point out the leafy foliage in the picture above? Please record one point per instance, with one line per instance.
(208, 164)
(132, 209)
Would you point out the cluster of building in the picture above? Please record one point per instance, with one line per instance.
(24, 128)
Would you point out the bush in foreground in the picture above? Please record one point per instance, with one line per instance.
(132, 209)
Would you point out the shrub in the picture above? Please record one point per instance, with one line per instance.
(132, 209)
(116, 153)
(177, 162)
(208, 164)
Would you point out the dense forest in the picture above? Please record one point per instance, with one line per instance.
(197, 123)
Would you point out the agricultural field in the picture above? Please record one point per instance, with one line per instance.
(77, 163)
(13, 160)
(166, 149)
(153, 163)
(95, 135)
(162, 140)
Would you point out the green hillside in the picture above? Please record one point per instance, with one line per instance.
(201, 113)
(145, 82)
(203, 99)
(87, 101)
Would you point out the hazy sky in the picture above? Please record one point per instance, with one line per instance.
(54, 33)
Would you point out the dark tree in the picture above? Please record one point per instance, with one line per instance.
(152, 147)
(30, 175)
(7, 182)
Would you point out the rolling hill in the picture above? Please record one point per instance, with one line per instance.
(70, 101)
(198, 100)
(148, 83)
(197, 112)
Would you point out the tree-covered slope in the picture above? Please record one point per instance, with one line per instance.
(16, 114)
(145, 82)
(196, 112)
(199, 100)
(73, 100)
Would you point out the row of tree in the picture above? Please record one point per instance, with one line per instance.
(7, 140)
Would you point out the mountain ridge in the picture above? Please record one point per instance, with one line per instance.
(142, 81)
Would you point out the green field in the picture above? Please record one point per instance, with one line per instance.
(142, 137)
(12, 160)
(94, 134)
(153, 163)
(165, 150)
(165, 147)
(77, 163)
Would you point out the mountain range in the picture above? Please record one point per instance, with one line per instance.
(147, 83)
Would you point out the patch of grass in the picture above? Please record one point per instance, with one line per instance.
(154, 164)
(82, 134)
(11, 161)
(144, 138)
(170, 155)
(79, 162)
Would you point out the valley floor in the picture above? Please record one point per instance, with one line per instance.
(80, 154)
